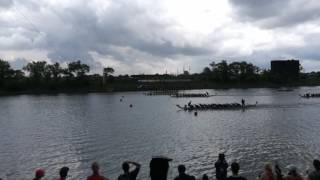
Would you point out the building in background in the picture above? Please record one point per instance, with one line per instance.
(285, 69)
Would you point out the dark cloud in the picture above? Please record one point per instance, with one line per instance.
(275, 13)
(80, 30)
(5, 3)
(261, 9)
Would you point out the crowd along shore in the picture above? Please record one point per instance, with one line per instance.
(159, 166)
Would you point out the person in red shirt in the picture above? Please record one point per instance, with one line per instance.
(95, 173)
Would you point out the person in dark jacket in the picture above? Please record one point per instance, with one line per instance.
(221, 167)
(316, 173)
(63, 173)
(235, 172)
(159, 167)
(182, 174)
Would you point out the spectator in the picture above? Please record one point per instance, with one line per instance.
(95, 173)
(205, 177)
(127, 174)
(268, 173)
(39, 174)
(278, 172)
(159, 167)
(182, 174)
(293, 174)
(235, 167)
(64, 173)
(221, 167)
(315, 175)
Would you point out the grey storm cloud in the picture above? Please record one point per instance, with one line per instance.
(275, 13)
(260, 9)
(76, 31)
(140, 32)
(5, 3)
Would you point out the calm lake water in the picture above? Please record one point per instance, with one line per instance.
(74, 130)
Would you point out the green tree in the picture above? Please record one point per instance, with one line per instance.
(235, 70)
(206, 71)
(54, 71)
(18, 74)
(77, 69)
(107, 71)
(222, 71)
(106, 74)
(5, 70)
(37, 70)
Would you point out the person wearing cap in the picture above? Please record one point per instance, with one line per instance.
(39, 174)
(268, 173)
(221, 167)
(63, 173)
(315, 175)
(127, 174)
(235, 167)
(182, 174)
(293, 174)
(95, 173)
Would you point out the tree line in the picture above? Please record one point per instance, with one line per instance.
(235, 71)
(41, 75)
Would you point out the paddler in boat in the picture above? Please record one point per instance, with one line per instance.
(243, 102)
(189, 103)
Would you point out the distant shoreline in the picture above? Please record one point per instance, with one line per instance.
(123, 89)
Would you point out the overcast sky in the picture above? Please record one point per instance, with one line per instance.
(154, 36)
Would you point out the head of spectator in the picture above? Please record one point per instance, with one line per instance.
(95, 168)
(181, 169)
(125, 167)
(235, 168)
(316, 164)
(63, 173)
(39, 174)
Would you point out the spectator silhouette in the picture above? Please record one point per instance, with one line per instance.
(293, 174)
(221, 167)
(278, 172)
(182, 174)
(205, 177)
(95, 173)
(315, 175)
(63, 173)
(268, 173)
(39, 174)
(159, 167)
(235, 167)
(127, 174)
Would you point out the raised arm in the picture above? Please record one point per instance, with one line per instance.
(135, 164)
